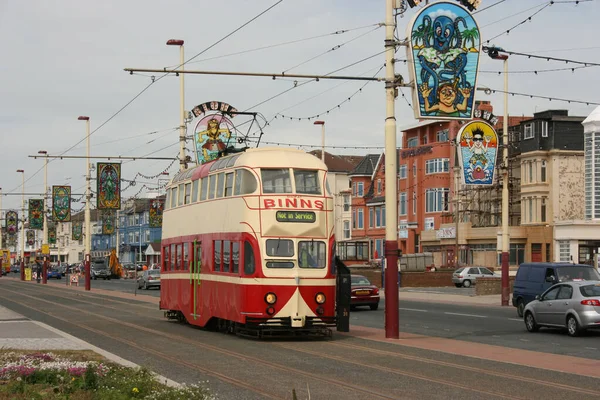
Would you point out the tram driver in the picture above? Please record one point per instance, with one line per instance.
(306, 260)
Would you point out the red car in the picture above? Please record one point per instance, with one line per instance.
(363, 293)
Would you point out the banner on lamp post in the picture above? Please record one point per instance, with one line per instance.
(30, 236)
(76, 229)
(108, 222)
(108, 183)
(52, 234)
(477, 144)
(443, 58)
(61, 203)
(156, 212)
(12, 222)
(36, 213)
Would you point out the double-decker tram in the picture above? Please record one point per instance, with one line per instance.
(248, 245)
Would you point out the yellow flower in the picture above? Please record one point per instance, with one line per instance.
(135, 390)
(72, 379)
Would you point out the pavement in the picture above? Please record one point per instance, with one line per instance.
(21, 333)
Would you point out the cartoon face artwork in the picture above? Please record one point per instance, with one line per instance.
(213, 136)
(443, 58)
(478, 147)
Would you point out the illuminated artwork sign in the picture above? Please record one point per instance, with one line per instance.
(61, 203)
(296, 216)
(443, 57)
(477, 150)
(215, 132)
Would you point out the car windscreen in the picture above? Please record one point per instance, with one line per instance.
(575, 273)
(154, 272)
(590, 290)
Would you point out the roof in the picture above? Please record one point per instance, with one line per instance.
(592, 122)
(366, 166)
(336, 163)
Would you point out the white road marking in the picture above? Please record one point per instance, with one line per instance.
(466, 315)
(412, 309)
(516, 319)
(556, 344)
(496, 336)
(591, 348)
(524, 340)
(447, 330)
(425, 326)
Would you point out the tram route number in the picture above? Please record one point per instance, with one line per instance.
(296, 216)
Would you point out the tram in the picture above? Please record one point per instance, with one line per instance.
(248, 245)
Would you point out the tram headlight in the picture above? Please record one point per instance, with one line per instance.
(270, 298)
(320, 298)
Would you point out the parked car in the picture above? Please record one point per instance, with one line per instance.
(467, 276)
(571, 305)
(149, 278)
(533, 279)
(15, 268)
(364, 293)
(53, 273)
(99, 270)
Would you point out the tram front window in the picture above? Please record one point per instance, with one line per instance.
(276, 180)
(307, 182)
(280, 248)
(312, 254)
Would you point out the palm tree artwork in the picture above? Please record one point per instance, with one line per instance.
(470, 35)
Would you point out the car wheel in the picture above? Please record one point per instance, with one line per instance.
(466, 283)
(374, 306)
(520, 307)
(530, 323)
(573, 326)
(457, 285)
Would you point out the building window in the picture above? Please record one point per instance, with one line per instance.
(379, 186)
(413, 142)
(360, 189)
(379, 216)
(437, 165)
(414, 203)
(402, 174)
(564, 250)
(353, 219)
(429, 224)
(543, 172)
(544, 129)
(528, 134)
(530, 202)
(425, 139)
(415, 169)
(371, 218)
(360, 218)
(346, 229)
(402, 204)
(436, 200)
(442, 136)
(543, 210)
(346, 202)
(136, 219)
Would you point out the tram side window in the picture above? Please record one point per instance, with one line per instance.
(197, 267)
(226, 255)
(235, 256)
(186, 256)
(229, 184)
(307, 182)
(165, 258)
(188, 193)
(194, 191)
(217, 258)
(181, 195)
(212, 187)
(245, 182)
(220, 184)
(172, 252)
(168, 200)
(249, 261)
(178, 257)
(276, 180)
(174, 197)
(204, 189)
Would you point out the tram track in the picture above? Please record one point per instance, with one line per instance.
(372, 394)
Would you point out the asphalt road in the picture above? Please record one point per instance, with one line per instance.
(236, 368)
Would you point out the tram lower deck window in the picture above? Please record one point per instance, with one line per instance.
(280, 264)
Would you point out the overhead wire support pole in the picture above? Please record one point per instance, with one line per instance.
(392, 326)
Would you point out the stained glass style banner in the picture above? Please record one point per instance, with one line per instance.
(36, 214)
(52, 234)
(156, 212)
(76, 228)
(12, 219)
(108, 222)
(30, 235)
(108, 186)
(61, 203)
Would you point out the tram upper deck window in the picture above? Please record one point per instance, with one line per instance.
(245, 182)
(307, 182)
(174, 197)
(188, 193)
(232, 160)
(276, 180)
(229, 184)
(280, 248)
(220, 184)
(194, 191)
(181, 195)
(167, 200)
(212, 186)
(204, 189)
(312, 254)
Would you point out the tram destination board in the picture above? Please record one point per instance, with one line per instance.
(296, 216)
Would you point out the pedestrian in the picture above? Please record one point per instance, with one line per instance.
(38, 269)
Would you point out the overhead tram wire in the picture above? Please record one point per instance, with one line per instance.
(564, 60)
(534, 96)
(488, 7)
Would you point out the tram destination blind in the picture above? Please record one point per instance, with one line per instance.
(296, 216)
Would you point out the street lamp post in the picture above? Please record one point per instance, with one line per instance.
(45, 210)
(179, 42)
(494, 53)
(88, 197)
(322, 123)
(22, 172)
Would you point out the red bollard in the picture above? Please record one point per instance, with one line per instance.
(45, 271)
(22, 269)
(87, 272)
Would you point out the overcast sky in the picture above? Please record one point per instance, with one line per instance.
(62, 59)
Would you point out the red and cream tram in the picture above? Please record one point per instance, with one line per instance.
(248, 244)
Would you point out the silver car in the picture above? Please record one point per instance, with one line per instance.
(572, 305)
(149, 278)
(468, 275)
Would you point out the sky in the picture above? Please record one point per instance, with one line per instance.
(66, 58)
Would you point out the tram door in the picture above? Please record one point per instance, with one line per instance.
(195, 271)
(343, 294)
